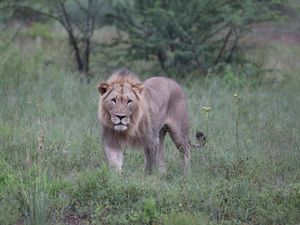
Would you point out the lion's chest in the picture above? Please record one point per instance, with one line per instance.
(129, 141)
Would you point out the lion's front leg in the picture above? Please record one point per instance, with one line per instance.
(113, 154)
(114, 158)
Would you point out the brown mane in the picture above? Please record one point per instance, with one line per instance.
(123, 76)
(131, 136)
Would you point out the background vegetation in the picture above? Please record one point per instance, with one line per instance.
(52, 169)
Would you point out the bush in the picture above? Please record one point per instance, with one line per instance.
(186, 37)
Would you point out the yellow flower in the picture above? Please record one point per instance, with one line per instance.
(207, 109)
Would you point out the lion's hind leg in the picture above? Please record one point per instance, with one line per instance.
(154, 154)
(161, 151)
(179, 136)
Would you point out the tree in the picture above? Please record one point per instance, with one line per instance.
(189, 35)
(79, 18)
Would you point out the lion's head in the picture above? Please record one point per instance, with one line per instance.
(119, 106)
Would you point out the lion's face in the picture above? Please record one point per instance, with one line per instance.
(121, 101)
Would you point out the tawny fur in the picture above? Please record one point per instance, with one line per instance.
(135, 114)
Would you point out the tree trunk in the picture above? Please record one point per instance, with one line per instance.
(222, 49)
(87, 59)
(161, 56)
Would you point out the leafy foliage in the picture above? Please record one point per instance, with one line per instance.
(190, 36)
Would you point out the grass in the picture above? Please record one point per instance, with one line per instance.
(253, 182)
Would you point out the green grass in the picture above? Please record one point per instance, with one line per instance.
(254, 182)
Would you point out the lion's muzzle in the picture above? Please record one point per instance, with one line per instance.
(120, 121)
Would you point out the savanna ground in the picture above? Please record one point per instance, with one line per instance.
(52, 169)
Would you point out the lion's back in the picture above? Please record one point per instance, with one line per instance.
(165, 99)
(162, 88)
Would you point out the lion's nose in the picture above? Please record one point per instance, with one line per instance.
(120, 117)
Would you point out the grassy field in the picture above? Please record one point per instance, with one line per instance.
(52, 169)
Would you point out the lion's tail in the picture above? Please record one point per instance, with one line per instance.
(200, 138)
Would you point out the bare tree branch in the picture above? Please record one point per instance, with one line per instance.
(234, 46)
(74, 42)
(36, 11)
(222, 49)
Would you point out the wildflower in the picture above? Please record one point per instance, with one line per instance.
(207, 109)
(236, 96)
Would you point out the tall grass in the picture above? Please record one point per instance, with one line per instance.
(248, 172)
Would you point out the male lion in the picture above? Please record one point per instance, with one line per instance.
(134, 114)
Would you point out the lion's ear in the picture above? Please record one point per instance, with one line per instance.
(102, 88)
(139, 87)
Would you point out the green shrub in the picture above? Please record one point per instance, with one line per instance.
(196, 36)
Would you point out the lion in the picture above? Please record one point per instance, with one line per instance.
(135, 114)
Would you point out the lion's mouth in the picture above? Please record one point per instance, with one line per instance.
(120, 127)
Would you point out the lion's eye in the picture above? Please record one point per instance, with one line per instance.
(114, 100)
(129, 101)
